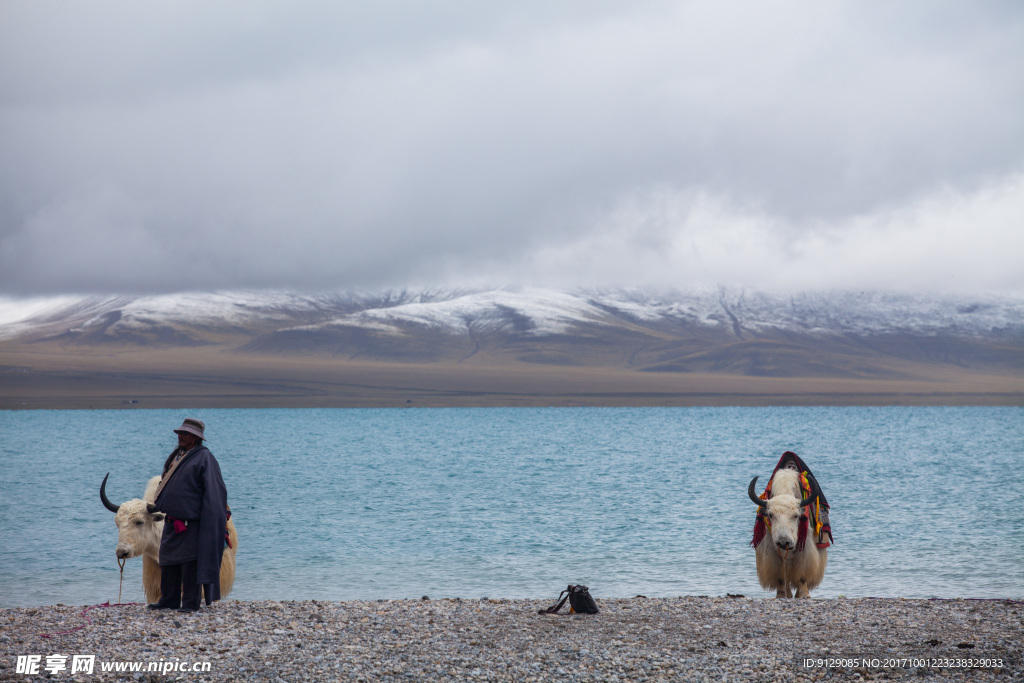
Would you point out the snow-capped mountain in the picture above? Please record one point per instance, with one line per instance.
(535, 312)
(711, 330)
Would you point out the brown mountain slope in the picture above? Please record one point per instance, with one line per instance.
(342, 353)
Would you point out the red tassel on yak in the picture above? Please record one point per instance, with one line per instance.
(759, 531)
(802, 536)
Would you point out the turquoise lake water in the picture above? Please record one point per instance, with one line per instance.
(519, 502)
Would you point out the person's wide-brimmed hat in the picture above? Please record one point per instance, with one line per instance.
(192, 426)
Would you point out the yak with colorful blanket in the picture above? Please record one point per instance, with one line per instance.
(791, 508)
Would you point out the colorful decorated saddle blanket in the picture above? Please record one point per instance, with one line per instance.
(817, 512)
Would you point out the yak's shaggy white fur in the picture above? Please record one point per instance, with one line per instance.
(779, 564)
(139, 531)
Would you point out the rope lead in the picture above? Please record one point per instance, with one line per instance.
(120, 563)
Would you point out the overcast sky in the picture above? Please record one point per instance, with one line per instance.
(332, 145)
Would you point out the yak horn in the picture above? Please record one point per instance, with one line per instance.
(815, 491)
(150, 508)
(103, 496)
(753, 496)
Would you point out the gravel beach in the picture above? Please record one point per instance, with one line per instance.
(637, 639)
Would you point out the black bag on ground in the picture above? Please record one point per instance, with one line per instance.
(580, 601)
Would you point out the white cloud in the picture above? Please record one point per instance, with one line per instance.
(334, 145)
(948, 240)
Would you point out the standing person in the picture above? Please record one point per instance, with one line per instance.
(193, 497)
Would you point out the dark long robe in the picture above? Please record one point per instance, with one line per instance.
(195, 493)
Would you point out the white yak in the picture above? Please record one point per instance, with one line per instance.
(139, 527)
(783, 562)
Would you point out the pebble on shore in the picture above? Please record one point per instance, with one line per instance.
(636, 639)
